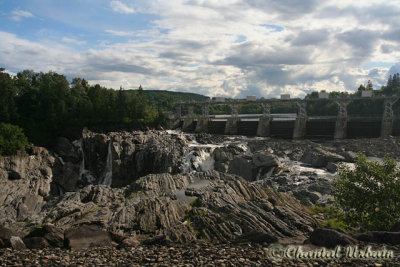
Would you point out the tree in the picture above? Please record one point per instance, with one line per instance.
(12, 139)
(361, 88)
(368, 196)
(369, 85)
(8, 92)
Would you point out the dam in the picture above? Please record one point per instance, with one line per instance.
(288, 125)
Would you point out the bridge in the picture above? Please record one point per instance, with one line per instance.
(296, 125)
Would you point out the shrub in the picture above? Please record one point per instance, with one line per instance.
(368, 196)
(12, 139)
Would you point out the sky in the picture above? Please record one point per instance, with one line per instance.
(231, 48)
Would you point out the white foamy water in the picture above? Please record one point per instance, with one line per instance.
(107, 180)
(82, 171)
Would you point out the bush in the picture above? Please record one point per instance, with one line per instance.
(368, 196)
(12, 139)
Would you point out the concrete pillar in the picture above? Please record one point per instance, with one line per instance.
(206, 109)
(202, 123)
(178, 111)
(388, 118)
(263, 128)
(341, 120)
(188, 121)
(231, 126)
(301, 121)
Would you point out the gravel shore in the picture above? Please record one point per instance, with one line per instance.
(190, 255)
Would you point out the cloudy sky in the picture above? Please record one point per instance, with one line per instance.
(216, 47)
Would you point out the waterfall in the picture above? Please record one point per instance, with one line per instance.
(107, 180)
(198, 158)
(83, 173)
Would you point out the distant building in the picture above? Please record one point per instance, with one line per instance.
(323, 95)
(367, 93)
(285, 96)
(251, 98)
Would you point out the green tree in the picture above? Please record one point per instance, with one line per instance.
(12, 139)
(368, 196)
(8, 92)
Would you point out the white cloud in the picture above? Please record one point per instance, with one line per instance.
(18, 14)
(120, 33)
(120, 7)
(192, 46)
(71, 40)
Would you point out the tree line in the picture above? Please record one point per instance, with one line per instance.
(46, 106)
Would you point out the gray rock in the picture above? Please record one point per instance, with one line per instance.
(318, 157)
(130, 242)
(17, 243)
(265, 159)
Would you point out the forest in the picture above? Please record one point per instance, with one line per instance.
(44, 106)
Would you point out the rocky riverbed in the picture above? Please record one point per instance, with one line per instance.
(196, 254)
(164, 188)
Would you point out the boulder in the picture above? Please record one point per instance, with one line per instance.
(17, 243)
(395, 227)
(52, 234)
(330, 238)
(242, 166)
(380, 237)
(36, 243)
(5, 236)
(86, 237)
(318, 157)
(130, 242)
(331, 167)
(265, 159)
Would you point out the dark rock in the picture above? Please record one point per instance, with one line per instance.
(52, 234)
(13, 175)
(318, 157)
(307, 195)
(67, 151)
(243, 167)
(86, 237)
(390, 238)
(17, 243)
(395, 227)
(331, 167)
(156, 240)
(265, 159)
(36, 243)
(331, 238)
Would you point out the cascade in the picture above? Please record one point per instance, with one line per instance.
(107, 180)
(83, 173)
